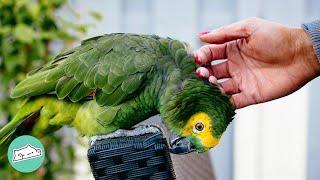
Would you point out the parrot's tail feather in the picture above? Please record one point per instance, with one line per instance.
(27, 123)
(41, 83)
(14, 129)
(38, 116)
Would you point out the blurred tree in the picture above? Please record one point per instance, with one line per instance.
(28, 28)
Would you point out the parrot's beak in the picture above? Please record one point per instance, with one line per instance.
(180, 145)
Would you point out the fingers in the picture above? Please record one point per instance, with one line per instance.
(213, 80)
(221, 70)
(229, 87)
(203, 72)
(240, 100)
(210, 52)
(227, 33)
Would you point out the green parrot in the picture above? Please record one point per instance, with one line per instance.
(115, 81)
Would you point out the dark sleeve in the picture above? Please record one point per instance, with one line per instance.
(313, 30)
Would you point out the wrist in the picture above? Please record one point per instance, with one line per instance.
(305, 53)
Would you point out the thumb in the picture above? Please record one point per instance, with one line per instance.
(231, 32)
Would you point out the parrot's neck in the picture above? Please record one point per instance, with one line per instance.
(176, 75)
(178, 102)
(173, 97)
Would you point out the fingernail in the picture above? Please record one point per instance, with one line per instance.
(202, 72)
(203, 33)
(197, 59)
(198, 74)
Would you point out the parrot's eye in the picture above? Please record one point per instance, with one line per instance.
(198, 127)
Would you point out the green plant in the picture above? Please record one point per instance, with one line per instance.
(28, 28)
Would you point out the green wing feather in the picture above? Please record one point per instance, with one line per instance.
(115, 65)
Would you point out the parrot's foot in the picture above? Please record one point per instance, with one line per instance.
(140, 130)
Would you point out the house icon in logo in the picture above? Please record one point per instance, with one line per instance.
(25, 153)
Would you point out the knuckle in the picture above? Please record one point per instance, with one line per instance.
(244, 29)
(250, 24)
(223, 28)
(207, 50)
(200, 51)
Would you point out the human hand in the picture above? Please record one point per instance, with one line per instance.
(264, 60)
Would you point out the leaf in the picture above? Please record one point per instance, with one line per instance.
(48, 34)
(81, 28)
(21, 3)
(34, 10)
(5, 30)
(24, 33)
(96, 15)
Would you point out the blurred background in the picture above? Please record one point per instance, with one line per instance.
(276, 140)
